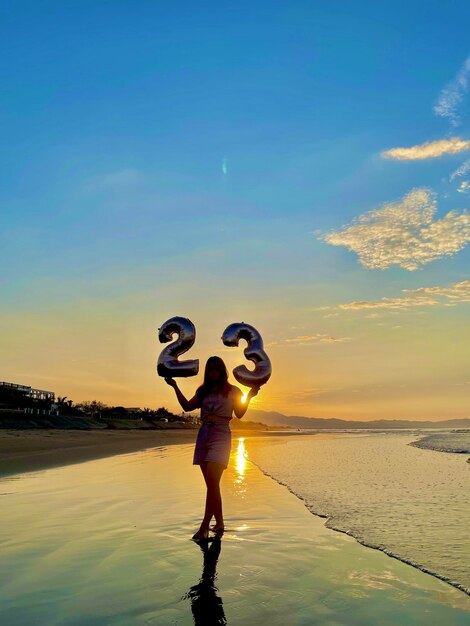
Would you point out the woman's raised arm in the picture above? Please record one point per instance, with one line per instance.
(186, 405)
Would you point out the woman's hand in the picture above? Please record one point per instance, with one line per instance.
(252, 393)
(241, 407)
(171, 382)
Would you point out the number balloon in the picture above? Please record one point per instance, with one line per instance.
(168, 364)
(253, 352)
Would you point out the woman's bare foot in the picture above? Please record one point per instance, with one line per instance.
(218, 529)
(201, 534)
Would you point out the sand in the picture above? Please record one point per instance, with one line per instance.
(30, 450)
(107, 542)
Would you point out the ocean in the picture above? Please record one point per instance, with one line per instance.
(411, 503)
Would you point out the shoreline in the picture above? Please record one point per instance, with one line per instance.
(32, 450)
(327, 519)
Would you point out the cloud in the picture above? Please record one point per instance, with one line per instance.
(452, 95)
(404, 233)
(464, 186)
(389, 303)
(301, 340)
(430, 150)
(334, 339)
(461, 171)
(454, 294)
(304, 339)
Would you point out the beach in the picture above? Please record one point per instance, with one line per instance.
(35, 449)
(30, 450)
(107, 541)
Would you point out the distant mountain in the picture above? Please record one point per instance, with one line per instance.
(271, 418)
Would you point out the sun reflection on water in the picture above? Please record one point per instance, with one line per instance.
(240, 466)
(241, 457)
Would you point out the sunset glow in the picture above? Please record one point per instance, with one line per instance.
(314, 199)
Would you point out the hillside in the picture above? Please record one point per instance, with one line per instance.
(272, 418)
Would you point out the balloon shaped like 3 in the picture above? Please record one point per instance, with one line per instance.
(168, 364)
(253, 352)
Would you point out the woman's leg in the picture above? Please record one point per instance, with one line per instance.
(219, 518)
(212, 473)
(217, 511)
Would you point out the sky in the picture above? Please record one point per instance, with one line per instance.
(303, 167)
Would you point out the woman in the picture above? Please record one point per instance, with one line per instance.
(217, 399)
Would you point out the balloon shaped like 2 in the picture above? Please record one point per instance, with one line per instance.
(253, 352)
(168, 365)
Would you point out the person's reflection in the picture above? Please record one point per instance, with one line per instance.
(206, 605)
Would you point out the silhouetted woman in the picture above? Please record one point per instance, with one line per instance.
(217, 399)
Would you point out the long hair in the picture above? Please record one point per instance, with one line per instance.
(221, 386)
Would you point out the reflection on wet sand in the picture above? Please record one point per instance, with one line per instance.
(239, 461)
(206, 605)
(241, 458)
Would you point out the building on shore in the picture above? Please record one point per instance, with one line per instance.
(25, 390)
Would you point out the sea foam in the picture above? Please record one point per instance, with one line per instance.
(410, 503)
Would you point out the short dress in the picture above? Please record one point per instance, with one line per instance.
(214, 438)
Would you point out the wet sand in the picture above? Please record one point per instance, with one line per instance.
(107, 542)
(30, 450)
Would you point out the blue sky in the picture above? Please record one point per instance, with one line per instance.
(116, 214)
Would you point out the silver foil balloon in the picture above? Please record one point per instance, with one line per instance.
(168, 365)
(253, 352)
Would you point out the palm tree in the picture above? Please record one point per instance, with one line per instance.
(62, 402)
